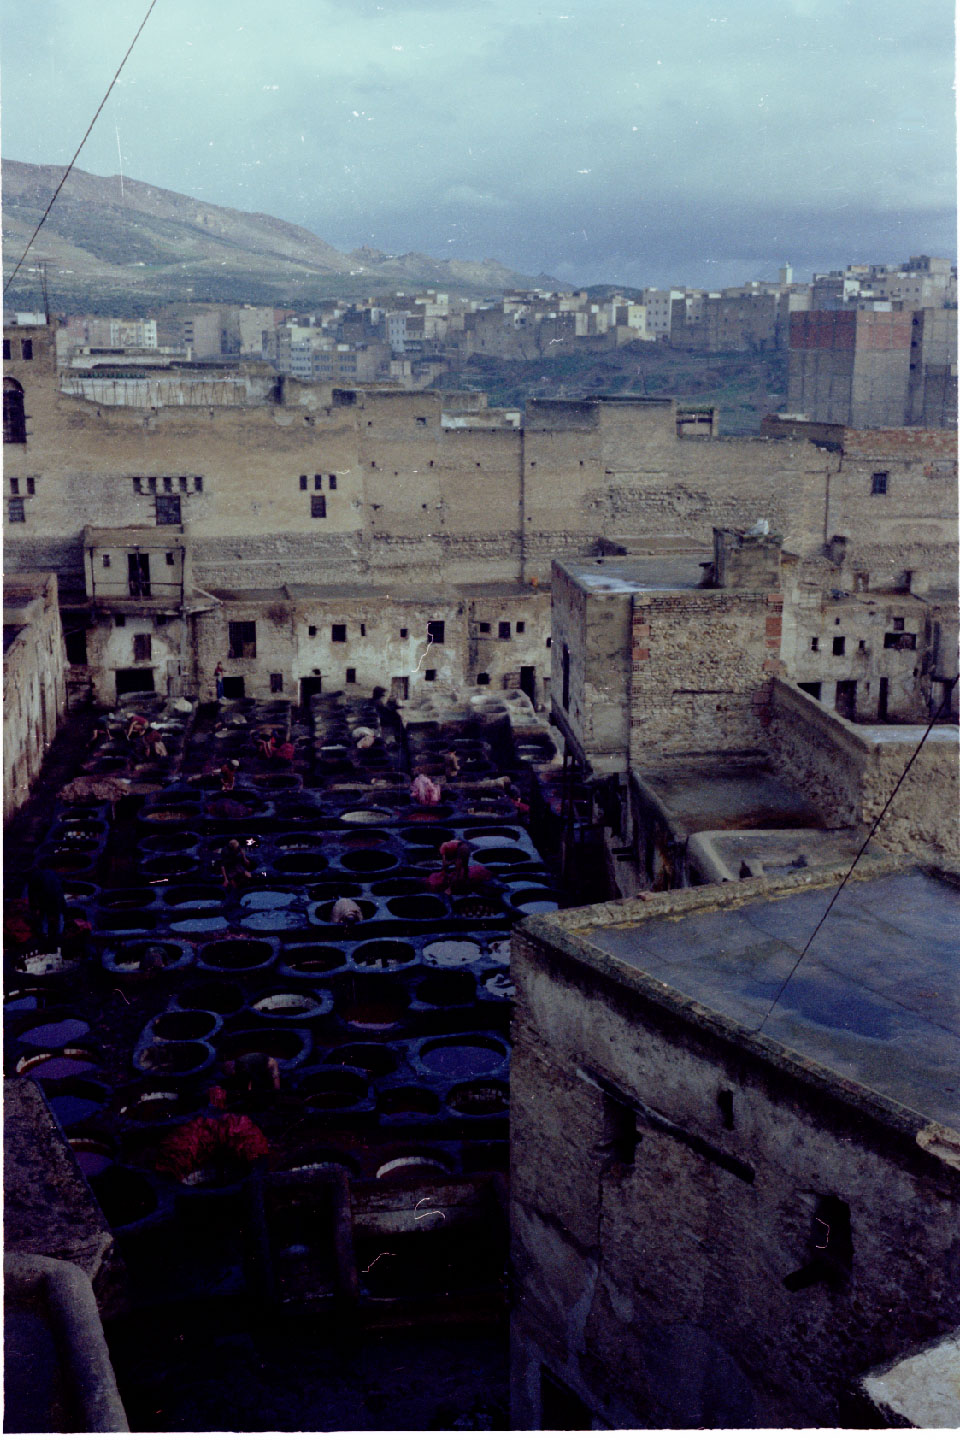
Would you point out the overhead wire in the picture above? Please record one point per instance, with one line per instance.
(86, 134)
(873, 830)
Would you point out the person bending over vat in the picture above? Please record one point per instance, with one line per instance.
(346, 913)
(424, 790)
(235, 866)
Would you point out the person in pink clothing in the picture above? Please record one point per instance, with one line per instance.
(424, 790)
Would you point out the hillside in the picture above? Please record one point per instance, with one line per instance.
(112, 244)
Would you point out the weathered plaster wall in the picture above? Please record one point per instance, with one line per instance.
(33, 681)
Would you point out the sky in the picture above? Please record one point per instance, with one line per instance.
(632, 142)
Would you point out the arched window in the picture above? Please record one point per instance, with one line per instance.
(14, 417)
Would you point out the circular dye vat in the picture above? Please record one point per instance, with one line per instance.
(368, 862)
(429, 816)
(312, 959)
(501, 855)
(22, 1002)
(417, 907)
(147, 957)
(384, 955)
(373, 1060)
(170, 814)
(168, 867)
(324, 912)
(78, 892)
(334, 889)
(334, 1089)
(534, 902)
(365, 839)
(499, 985)
(152, 1106)
(125, 1196)
(377, 1005)
(125, 899)
(174, 1057)
(74, 1109)
(426, 835)
(268, 899)
(225, 808)
(287, 1005)
(479, 1097)
(476, 907)
(412, 1167)
(374, 816)
(397, 887)
(491, 834)
(64, 1066)
(456, 987)
(92, 1156)
(408, 1102)
(127, 920)
(68, 861)
(461, 1057)
(55, 1035)
(287, 1046)
(221, 996)
(174, 844)
(272, 922)
(185, 1025)
(193, 897)
(276, 782)
(451, 952)
(307, 862)
(237, 954)
(199, 925)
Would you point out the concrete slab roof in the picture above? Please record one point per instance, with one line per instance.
(709, 792)
(875, 1001)
(634, 573)
(771, 852)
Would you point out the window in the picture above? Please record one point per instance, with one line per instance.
(839, 644)
(6, 349)
(521, 627)
(168, 483)
(276, 683)
(318, 507)
(404, 633)
(338, 634)
(303, 482)
(351, 675)
(182, 482)
(814, 642)
(152, 483)
(119, 621)
(429, 674)
(435, 631)
(142, 645)
(168, 509)
(893, 640)
(421, 419)
(565, 677)
(106, 562)
(15, 512)
(812, 687)
(31, 485)
(242, 640)
(311, 630)
(400, 687)
(14, 485)
(26, 349)
(76, 646)
(14, 415)
(332, 482)
(318, 482)
(503, 630)
(878, 482)
(170, 560)
(483, 678)
(898, 620)
(549, 641)
(363, 629)
(198, 484)
(137, 487)
(484, 627)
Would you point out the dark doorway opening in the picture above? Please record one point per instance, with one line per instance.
(528, 681)
(138, 574)
(883, 701)
(846, 704)
(233, 687)
(310, 685)
(129, 681)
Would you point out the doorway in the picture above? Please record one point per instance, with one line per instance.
(846, 702)
(310, 685)
(884, 700)
(528, 682)
(138, 574)
(131, 681)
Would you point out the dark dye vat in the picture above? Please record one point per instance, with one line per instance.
(313, 959)
(381, 798)
(174, 844)
(429, 817)
(463, 1056)
(154, 1106)
(365, 839)
(276, 782)
(374, 1007)
(66, 862)
(166, 868)
(174, 1057)
(384, 954)
(237, 954)
(479, 1097)
(226, 809)
(220, 996)
(426, 835)
(334, 889)
(58, 1067)
(124, 1195)
(282, 1045)
(417, 907)
(501, 855)
(411, 1100)
(475, 907)
(172, 815)
(74, 1109)
(309, 862)
(334, 1090)
(456, 987)
(128, 920)
(368, 862)
(55, 1036)
(77, 892)
(91, 1156)
(125, 899)
(397, 887)
(414, 1167)
(185, 1025)
(373, 1060)
(194, 897)
(149, 954)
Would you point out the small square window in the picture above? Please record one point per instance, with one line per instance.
(311, 630)
(318, 507)
(318, 482)
(332, 481)
(31, 485)
(170, 559)
(151, 482)
(137, 487)
(435, 631)
(814, 642)
(861, 644)
(839, 644)
(898, 622)
(351, 675)
(14, 485)
(404, 633)
(421, 419)
(106, 562)
(429, 674)
(142, 646)
(878, 482)
(338, 634)
(119, 621)
(242, 640)
(549, 641)
(168, 483)
(276, 683)
(484, 627)
(521, 627)
(168, 509)
(182, 482)
(198, 483)
(483, 678)
(503, 630)
(15, 512)
(303, 482)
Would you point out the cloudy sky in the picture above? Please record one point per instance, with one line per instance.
(632, 141)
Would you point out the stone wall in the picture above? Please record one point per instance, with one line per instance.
(33, 681)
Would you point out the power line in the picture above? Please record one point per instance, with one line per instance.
(873, 830)
(83, 142)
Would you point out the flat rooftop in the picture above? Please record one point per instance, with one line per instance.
(875, 1001)
(710, 793)
(631, 573)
